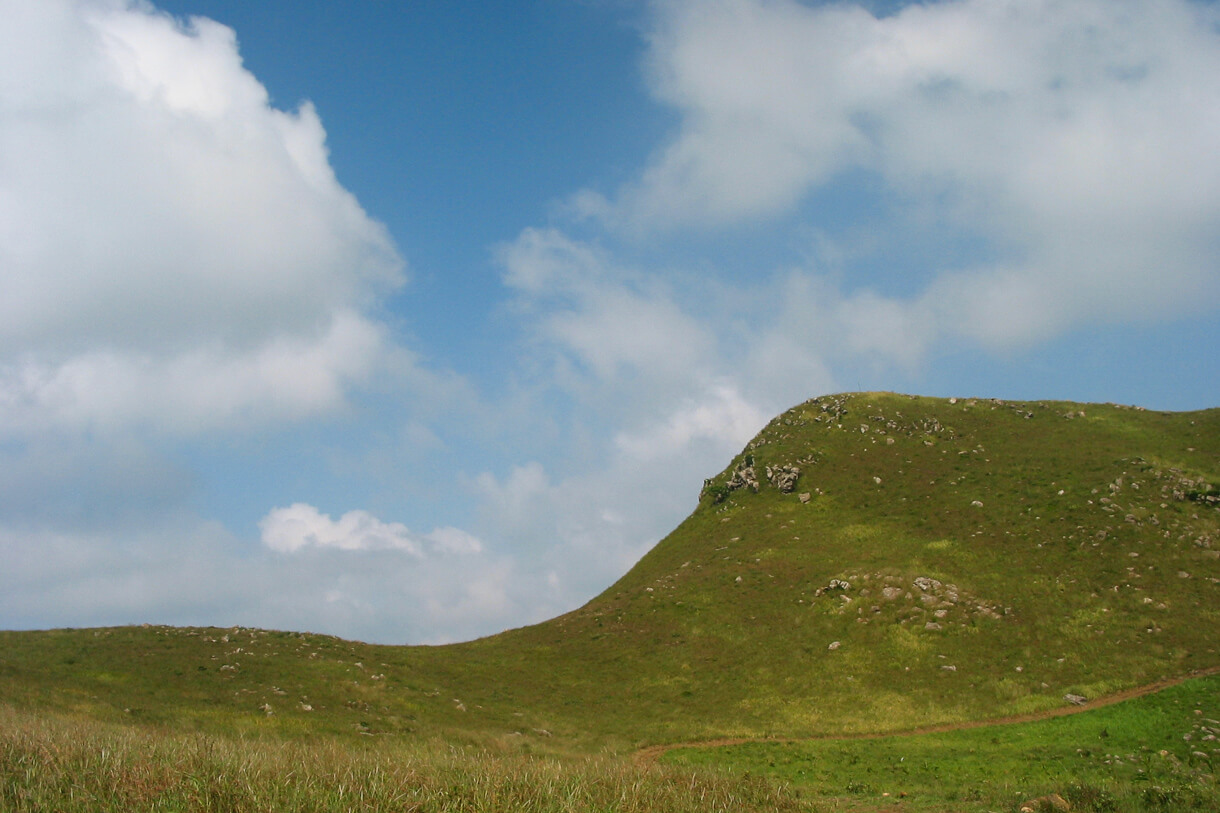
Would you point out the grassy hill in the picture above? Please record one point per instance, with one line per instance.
(870, 562)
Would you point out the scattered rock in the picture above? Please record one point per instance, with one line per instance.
(266, 709)
(1076, 699)
(805, 496)
(833, 646)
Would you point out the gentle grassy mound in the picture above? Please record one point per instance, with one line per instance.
(869, 563)
(1158, 752)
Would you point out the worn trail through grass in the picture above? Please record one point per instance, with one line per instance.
(653, 753)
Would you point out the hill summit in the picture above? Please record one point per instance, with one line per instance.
(875, 561)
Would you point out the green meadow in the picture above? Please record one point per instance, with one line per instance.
(870, 564)
(1157, 752)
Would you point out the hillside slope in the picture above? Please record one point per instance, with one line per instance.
(869, 562)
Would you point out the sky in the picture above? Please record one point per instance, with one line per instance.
(414, 322)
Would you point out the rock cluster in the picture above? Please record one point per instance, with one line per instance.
(743, 476)
(934, 604)
(783, 477)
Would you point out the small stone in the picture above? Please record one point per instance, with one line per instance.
(1076, 699)
(834, 645)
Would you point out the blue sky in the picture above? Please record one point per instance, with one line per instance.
(411, 324)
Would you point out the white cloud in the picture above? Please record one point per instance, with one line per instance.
(724, 417)
(1074, 139)
(300, 526)
(289, 376)
(169, 242)
(604, 324)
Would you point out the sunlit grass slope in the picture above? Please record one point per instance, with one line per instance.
(904, 561)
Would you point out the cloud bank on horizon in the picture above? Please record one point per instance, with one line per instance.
(196, 315)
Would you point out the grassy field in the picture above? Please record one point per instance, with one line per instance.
(1158, 752)
(1155, 753)
(870, 563)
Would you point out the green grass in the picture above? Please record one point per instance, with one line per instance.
(1150, 753)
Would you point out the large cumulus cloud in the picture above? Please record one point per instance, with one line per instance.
(167, 237)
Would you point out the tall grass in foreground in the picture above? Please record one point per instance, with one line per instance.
(58, 764)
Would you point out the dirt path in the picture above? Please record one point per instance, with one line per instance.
(649, 755)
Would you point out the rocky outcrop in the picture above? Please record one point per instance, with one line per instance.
(783, 477)
(743, 476)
